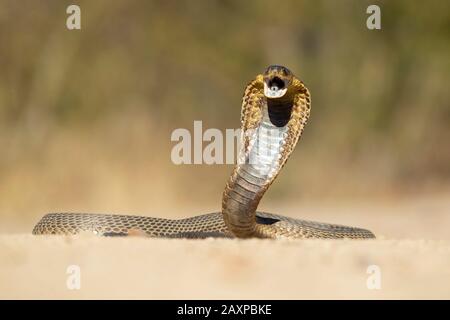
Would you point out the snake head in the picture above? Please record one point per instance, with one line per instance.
(277, 80)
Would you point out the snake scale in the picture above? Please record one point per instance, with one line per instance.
(275, 108)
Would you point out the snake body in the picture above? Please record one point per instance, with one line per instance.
(275, 109)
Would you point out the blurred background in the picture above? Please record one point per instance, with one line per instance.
(86, 115)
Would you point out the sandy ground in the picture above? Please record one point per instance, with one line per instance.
(412, 255)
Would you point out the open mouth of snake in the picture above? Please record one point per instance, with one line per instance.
(274, 88)
(276, 84)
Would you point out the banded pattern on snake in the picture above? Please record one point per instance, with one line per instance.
(275, 109)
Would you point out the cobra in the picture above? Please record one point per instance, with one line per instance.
(275, 108)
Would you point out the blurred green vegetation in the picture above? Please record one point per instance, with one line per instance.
(380, 98)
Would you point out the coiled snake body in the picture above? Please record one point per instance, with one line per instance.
(275, 108)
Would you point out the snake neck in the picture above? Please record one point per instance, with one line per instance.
(257, 168)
